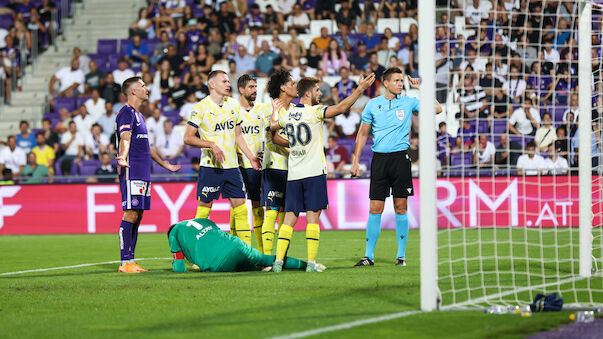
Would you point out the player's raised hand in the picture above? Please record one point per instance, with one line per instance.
(277, 105)
(414, 82)
(218, 153)
(365, 83)
(170, 167)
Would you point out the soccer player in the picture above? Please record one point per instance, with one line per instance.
(201, 242)
(134, 159)
(307, 174)
(388, 117)
(274, 164)
(218, 121)
(251, 126)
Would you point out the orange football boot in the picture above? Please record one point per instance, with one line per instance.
(127, 268)
(138, 267)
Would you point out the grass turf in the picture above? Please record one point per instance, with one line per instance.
(98, 302)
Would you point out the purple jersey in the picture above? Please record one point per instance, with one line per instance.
(139, 156)
(540, 84)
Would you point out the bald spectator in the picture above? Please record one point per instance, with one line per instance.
(245, 62)
(122, 72)
(265, 61)
(71, 81)
(33, 173)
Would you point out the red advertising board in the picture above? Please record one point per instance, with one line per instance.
(462, 202)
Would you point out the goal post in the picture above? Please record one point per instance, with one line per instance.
(500, 232)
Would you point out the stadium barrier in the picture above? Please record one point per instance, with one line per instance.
(462, 202)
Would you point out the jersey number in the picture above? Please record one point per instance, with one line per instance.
(303, 135)
(194, 224)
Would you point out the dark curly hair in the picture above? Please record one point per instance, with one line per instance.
(277, 79)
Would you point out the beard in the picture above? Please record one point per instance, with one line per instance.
(314, 100)
(251, 97)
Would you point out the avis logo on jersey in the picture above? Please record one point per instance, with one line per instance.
(250, 129)
(224, 126)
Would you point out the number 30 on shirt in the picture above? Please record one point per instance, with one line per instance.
(301, 135)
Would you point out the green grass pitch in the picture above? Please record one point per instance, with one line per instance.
(96, 301)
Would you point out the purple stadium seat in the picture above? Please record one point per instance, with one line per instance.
(348, 144)
(100, 59)
(499, 126)
(88, 167)
(6, 20)
(482, 127)
(558, 113)
(123, 44)
(68, 103)
(460, 159)
(521, 139)
(107, 47)
(112, 62)
(80, 101)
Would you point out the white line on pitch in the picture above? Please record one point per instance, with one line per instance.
(75, 266)
(95, 264)
(346, 326)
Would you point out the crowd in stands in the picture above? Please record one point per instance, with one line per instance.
(507, 71)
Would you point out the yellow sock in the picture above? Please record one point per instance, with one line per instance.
(202, 212)
(258, 220)
(233, 230)
(242, 224)
(268, 230)
(281, 218)
(312, 237)
(284, 238)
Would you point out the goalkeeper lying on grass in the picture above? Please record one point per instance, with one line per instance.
(201, 242)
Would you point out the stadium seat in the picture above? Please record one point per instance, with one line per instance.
(80, 101)
(123, 44)
(499, 126)
(482, 127)
(405, 24)
(317, 25)
(88, 167)
(67, 103)
(6, 20)
(106, 46)
(383, 23)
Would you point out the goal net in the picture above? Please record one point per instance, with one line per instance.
(520, 190)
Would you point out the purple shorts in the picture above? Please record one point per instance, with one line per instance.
(135, 194)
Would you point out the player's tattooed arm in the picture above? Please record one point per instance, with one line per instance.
(346, 103)
(240, 140)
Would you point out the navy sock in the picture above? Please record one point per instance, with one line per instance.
(373, 228)
(125, 239)
(401, 234)
(134, 240)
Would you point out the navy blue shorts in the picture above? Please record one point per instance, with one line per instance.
(213, 181)
(274, 186)
(135, 194)
(308, 194)
(253, 183)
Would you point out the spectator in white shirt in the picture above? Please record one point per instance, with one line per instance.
(95, 143)
(525, 119)
(298, 20)
(83, 121)
(95, 105)
(155, 125)
(556, 164)
(483, 153)
(169, 145)
(515, 87)
(475, 13)
(73, 143)
(574, 109)
(154, 91)
(551, 54)
(107, 120)
(71, 81)
(531, 163)
(13, 157)
(122, 72)
(347, 124)
(187, 108)
(545, 135)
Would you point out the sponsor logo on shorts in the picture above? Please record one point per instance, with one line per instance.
(139, 187)
(275, 194)
(209, 189)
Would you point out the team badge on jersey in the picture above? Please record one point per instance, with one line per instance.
(400, 114)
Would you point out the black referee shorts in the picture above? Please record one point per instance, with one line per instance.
(390, 172)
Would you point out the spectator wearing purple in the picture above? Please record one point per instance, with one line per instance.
(539, 84)
(308, 7)
(334, 58)
(345, 86)
(465, 137)
(443, 143)
(254, 18)
(563, 84)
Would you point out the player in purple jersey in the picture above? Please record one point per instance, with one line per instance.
(134, 159)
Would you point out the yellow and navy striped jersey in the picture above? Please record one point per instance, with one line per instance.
(252, 123)
(275, 156)
(217, 124)
(303, 125)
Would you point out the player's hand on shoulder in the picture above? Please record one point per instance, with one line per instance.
(414, 82)
(365, 83)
